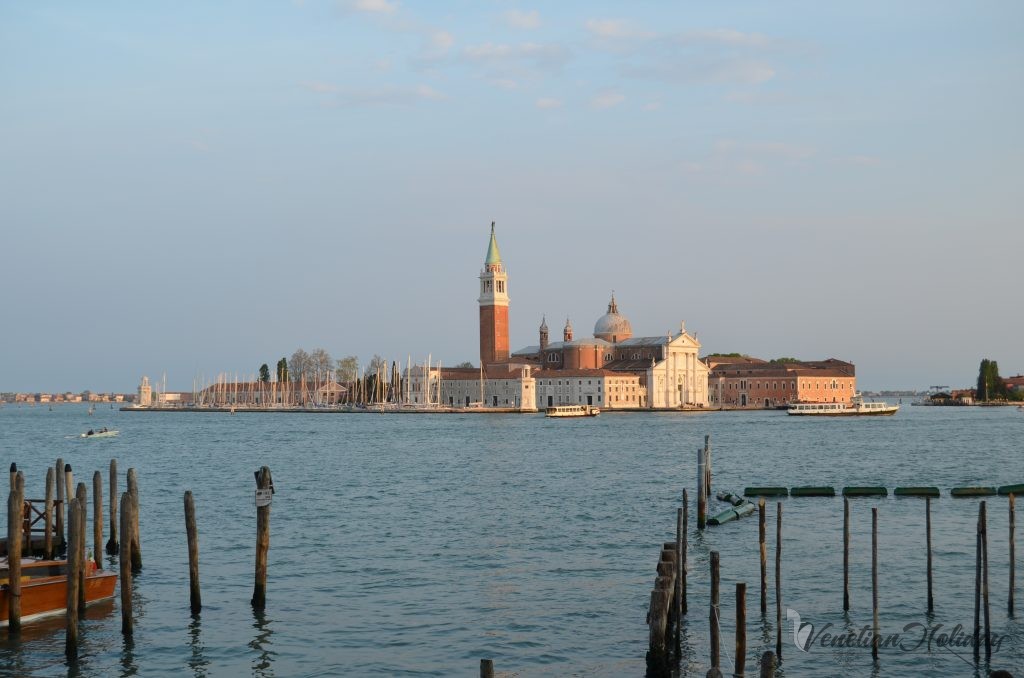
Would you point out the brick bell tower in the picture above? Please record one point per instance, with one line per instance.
(493, 307)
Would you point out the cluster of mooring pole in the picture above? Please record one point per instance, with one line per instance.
(668, 604)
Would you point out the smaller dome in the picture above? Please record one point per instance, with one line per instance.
(612, 326)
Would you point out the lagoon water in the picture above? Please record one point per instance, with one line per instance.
(419, 544)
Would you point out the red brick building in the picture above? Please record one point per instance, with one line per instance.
(750, 382)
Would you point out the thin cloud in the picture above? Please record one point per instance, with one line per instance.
(607, 99)
(618, 29)
(547, 55)
(726, 36)
(547, 103)
(515, 18)
(372, 6)
(374, 96)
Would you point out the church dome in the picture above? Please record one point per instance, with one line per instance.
(612, 326)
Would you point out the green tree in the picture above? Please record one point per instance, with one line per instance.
(282, 370)
(778, 361)
(264, 373)
(465, 364)
(990, 385)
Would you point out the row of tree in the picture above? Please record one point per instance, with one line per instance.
(319, 365)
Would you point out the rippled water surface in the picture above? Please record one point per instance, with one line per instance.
(419, 544)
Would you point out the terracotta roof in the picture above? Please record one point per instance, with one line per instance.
(565, 374)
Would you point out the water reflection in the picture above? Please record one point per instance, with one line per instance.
(128, 665)
(198, 661)
(263, 664)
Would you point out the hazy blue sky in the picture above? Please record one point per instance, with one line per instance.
(197, 187)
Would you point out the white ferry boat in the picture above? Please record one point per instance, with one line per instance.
(858, 407)
(572, 411)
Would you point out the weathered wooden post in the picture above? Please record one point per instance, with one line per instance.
(686, 520)
(264, 484)
(741, 628)
(846, 554)
(133, 492)
(768, 665)
(875, 638)
(81, 494)
(977, 584)
(97, 517)
(69, 483)
(778, 582)
(984, 580)
(714, 615)
(124, 561)
(1009, 600)
(48, 516)
(486, 668)
(193, 554)
(112, 542)
(701, 490)
(60, 505)
(707, 465)
(26, 517)
(677, 603)
(74, 564)
(14, 534)
(928, 538)
(762, 544)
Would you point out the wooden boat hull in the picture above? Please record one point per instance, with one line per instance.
(44, 596)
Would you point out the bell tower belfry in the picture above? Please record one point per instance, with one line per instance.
(493, 307)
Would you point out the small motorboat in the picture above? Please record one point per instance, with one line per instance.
(44, 587)
(100, 433)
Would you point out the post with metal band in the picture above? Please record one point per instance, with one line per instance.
(97, 518)
(125, 563)
(14, 535)
(778, 584)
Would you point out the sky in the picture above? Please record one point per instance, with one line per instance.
(195, 188)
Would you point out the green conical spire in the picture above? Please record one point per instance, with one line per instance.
(493, 256)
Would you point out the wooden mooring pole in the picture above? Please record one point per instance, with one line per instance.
(112, 542)
(133, 492)
(259, 593)
(984, 580)
(778, 583)
(82, 495)
(762, 544)
(1013, 565)
(714, 614)
(15, 502)
(69, 494)
(768, 665)
(74, 564)
(875, 638)
(193, 554)
(701, 489)
(682, 573)
(846, 554)
(707, 465)
(125, 563)
(677, 603)
(60, 505)
(486, 668)
(977, 584)
(928, 539)
(741, 628)
(48, 516)
(97, 518)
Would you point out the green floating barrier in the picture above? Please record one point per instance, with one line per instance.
(728, 515)
(972, 491)
(765, 492)
(731, 498)
(812, 492)
(1011, 489)
(865, 492)
(917, 492)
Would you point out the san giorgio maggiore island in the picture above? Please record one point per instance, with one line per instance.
(612, 370)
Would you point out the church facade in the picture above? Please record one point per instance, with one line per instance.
(612, 369)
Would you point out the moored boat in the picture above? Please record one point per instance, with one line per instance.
(857, 407)
(44, 587)
(572, 411)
